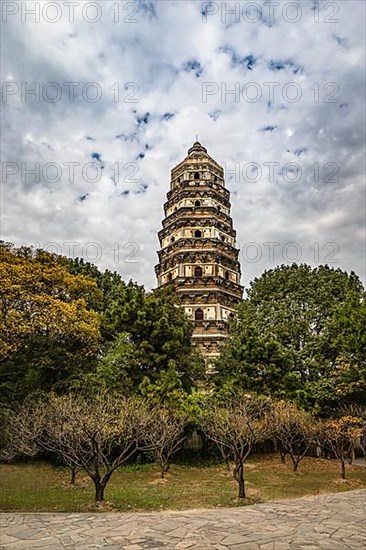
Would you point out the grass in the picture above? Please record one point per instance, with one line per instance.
(39, 487)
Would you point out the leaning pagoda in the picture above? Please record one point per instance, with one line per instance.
(197, 248)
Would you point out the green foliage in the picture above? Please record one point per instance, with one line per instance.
(159, 337)
(108, 282)
(290, 333)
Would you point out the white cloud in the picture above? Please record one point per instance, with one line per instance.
(162, 54)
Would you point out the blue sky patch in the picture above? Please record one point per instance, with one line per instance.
(193, 66)
(300, 151)
(278, 65)
(127, 137)
(147, 7)
(167, 116)
(143, 119)
(268, 128)
(246, 62)
(96, 156)
(142, 189)
(215, 114)
(341, 41)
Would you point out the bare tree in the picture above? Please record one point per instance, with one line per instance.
(165, 435)
(339, 435)
(237, 426)
(21, 430)
(95, 435)
(294, 431)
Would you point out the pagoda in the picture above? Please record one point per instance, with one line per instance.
(197, 248)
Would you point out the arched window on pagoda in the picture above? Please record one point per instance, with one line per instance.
(198, 272)
(198, 234)
(227, 275)
(198, 315)
(197, 203)
(172, 239)
(170, 277)
(196, 176)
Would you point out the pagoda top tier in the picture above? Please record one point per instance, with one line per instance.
(197, 147)
(197, 159)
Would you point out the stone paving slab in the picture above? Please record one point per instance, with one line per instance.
(328, 522)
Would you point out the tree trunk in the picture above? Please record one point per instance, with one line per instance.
(164, 469)
(99, 490)
(343, 469)
(73, 476)
(239, 477)
(295, 463)
(283, 457)
(100, 485)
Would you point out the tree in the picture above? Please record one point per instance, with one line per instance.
(348, 344)
(294, 431)
(22, 428)
(48, 331)
(165, 435)
(96, 435)
(237, 426)
(159, 336)
(291, 330)
(339, 436)
(108, 282)
(113, 369)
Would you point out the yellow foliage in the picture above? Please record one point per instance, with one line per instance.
(38, 296)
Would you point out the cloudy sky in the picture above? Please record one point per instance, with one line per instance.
(108, 96)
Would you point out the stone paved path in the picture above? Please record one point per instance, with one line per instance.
(327, 522)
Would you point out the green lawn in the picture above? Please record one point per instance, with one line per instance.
(42, 488)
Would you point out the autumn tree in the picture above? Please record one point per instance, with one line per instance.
(294, 431)
(48, 329)
(338, 436)
(237, 426)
